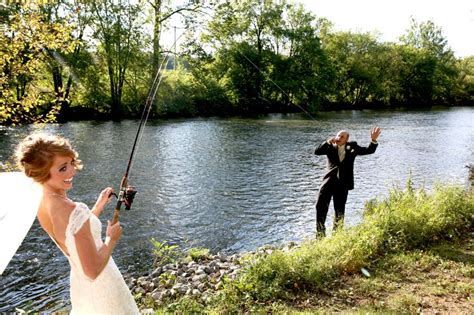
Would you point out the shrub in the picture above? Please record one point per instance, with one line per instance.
(198, 253)
(405, 220)
(164, 253)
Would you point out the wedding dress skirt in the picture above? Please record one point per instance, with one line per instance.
(108, 293)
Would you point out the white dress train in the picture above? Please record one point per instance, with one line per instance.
(108, 293)
(18, 208)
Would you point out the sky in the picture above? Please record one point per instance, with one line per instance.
(392, 18)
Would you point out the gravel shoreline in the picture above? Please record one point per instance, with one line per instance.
(197, 279)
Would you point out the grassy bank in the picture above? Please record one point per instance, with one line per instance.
(411, 247)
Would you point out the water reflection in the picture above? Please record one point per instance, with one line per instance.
(230, 184)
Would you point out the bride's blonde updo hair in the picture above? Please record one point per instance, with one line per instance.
(34, 155)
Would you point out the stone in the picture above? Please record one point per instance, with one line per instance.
(157, 272)
(173, 293)
(158, 296)
(199, 278)
(140, 290)
(222, 257)
(201, 287)
(181, 288)
(200, 271)
(207, 269)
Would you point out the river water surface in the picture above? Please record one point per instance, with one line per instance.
(230, 185)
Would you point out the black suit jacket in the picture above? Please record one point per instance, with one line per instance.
(346, 167)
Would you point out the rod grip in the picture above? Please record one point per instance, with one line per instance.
(116, 216)
(123, 184)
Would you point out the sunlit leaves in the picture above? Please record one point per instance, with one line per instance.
(27, 38)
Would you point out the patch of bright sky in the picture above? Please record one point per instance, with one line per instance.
(392, 18)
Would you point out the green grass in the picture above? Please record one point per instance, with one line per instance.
(405, 220)
(398, 241)
(197, 254)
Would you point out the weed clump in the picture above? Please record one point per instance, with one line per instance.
(406, 220)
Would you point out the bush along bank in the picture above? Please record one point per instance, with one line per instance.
(406, 220)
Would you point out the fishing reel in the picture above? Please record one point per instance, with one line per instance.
(126, 196)
(129, 195)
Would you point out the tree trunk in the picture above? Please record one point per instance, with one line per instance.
(115, 105)
(156, 37)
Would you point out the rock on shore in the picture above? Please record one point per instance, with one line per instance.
(196, 279)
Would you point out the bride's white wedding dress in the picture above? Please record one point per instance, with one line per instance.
(108, 293)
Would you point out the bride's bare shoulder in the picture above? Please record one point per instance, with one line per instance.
(58, 209)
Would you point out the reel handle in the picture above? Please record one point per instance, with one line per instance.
(120, 199)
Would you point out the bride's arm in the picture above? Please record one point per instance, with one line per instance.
(102, 200)
(94, 260)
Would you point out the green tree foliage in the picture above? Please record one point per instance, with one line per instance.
(437, 62)
(117, 27)
(212, 92)
(65, 65)
(72, 59)
(271, 55)
(244, 33)
(162, 12)
(26, 44)
(417, 76)
(173, 95)
(303, 74)
(358, 67)
(463, 90)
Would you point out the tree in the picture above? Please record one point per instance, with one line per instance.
(463, 90)
(353, 59)
(248, 31)
(428, 37)
(163, 11)
(63, 64)
(118, 29)
(301, 69)
(24, 54)
(417, 76)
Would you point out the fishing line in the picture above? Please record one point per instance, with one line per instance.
(149, 104)
(126, 192)
(274, 83)
(145, 114)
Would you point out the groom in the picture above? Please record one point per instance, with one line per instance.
(339, 178)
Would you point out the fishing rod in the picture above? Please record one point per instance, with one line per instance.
(127, 192)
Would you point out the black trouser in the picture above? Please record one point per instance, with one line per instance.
(335, 189)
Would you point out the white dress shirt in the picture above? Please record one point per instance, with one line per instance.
(341, 150)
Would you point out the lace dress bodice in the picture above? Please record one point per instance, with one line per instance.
(108, 293)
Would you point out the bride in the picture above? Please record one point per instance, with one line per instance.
(97, 287)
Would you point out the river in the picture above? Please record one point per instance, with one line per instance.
(230, 185)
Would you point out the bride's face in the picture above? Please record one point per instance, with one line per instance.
(61, 173)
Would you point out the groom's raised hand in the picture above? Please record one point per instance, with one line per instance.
(375, 133)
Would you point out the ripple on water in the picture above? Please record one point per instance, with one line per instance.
(230, 184)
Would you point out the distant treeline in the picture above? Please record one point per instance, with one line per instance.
(63, 60)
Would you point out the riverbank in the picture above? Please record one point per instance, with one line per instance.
(412, 253)
(436, 280)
